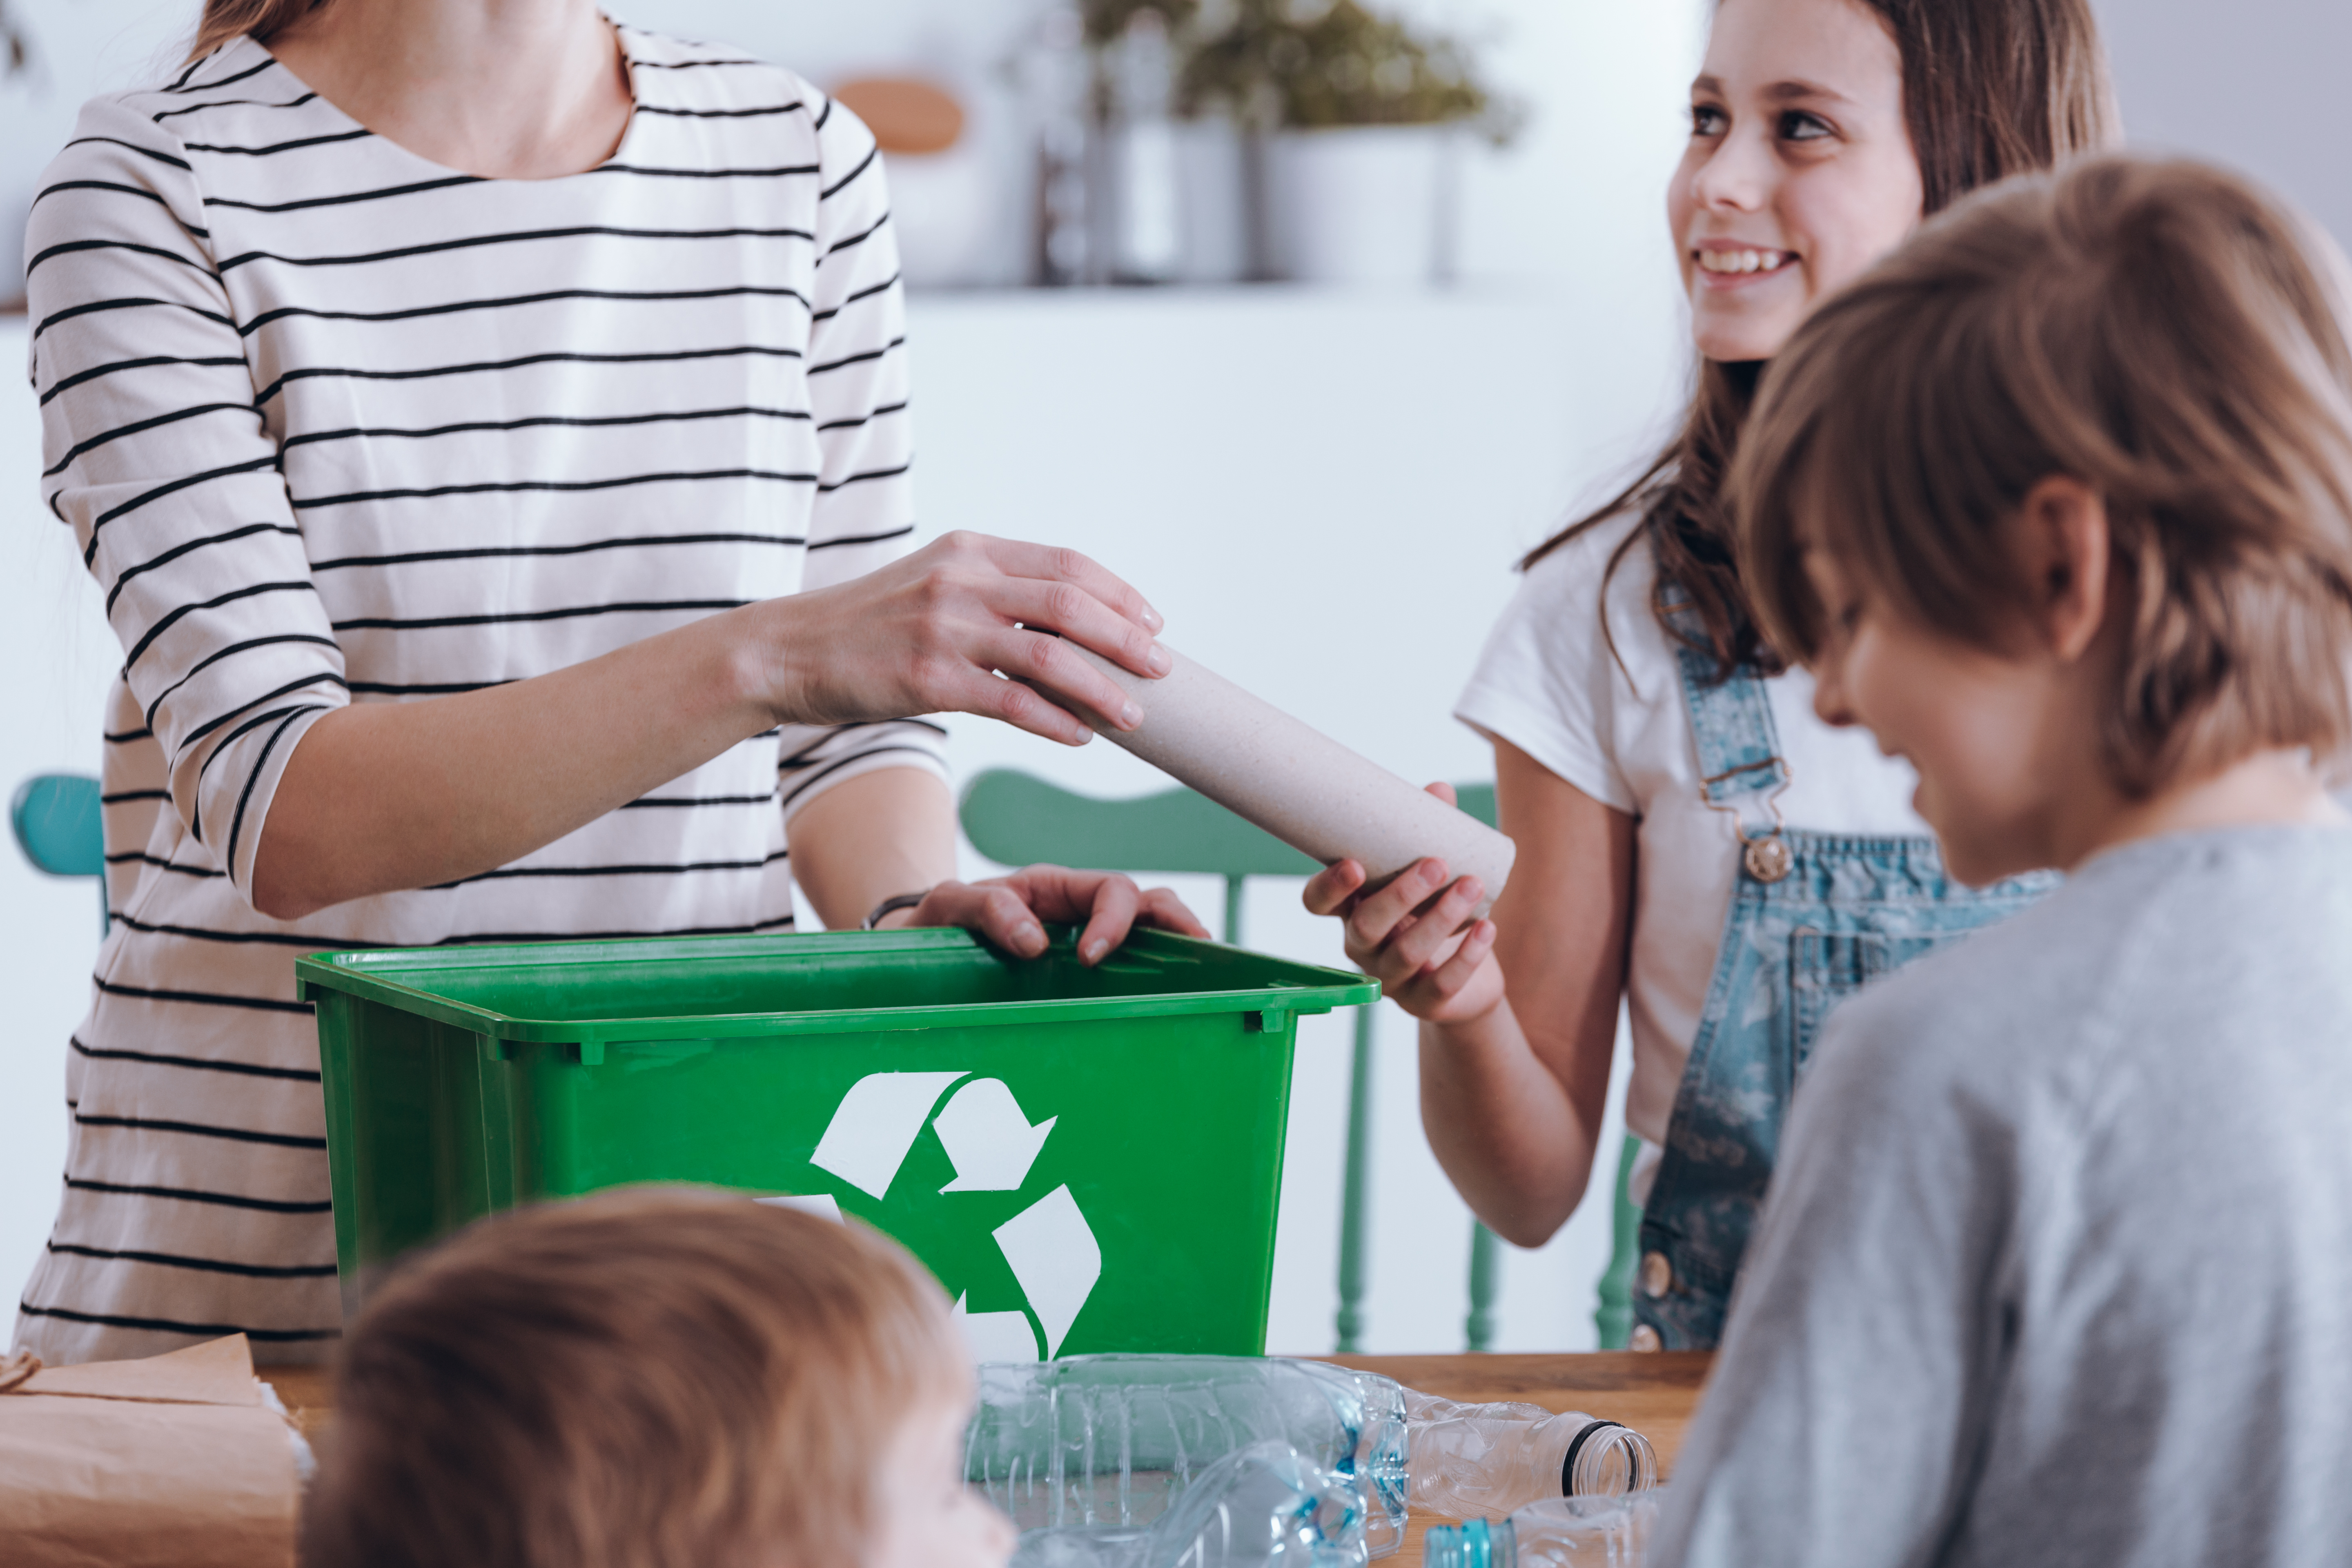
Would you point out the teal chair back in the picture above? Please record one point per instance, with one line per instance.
(1015, 819)
(55, 818)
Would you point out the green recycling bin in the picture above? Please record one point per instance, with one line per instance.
(1089, 1159)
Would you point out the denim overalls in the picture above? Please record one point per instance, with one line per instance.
(1812, 918)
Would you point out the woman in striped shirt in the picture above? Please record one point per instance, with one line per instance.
(488, 429)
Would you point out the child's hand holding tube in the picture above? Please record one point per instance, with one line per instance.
(1417, 934)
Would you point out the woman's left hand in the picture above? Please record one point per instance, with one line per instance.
(1007, 909)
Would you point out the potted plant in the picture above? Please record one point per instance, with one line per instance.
(1361, 113)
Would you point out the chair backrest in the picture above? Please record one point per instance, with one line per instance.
(56, 820)
(1014, 820)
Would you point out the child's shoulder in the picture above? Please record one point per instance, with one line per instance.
(2153, 950)
(1600, 554)
(1586, 604)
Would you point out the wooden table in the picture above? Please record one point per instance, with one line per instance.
(307, 1392)
(1654, 1393)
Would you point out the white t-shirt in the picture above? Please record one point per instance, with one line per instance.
(1547, 684)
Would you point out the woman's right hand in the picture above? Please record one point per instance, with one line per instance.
(1415, 935)
(942, 629)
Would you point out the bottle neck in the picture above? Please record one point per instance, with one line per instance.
(1478, 1543)
(1608, 1460)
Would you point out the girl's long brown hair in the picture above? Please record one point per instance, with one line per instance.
(1991, 89)
(224, 19)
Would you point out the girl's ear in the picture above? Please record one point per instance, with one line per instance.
(2058, 542)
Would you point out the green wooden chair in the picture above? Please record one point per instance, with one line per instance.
(1015, 819)
(55, 818)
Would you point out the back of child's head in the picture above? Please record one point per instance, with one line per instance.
(2161, 332)
(649, 1377)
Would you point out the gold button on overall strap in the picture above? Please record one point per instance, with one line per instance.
(1657, 1275)
(1766, 855)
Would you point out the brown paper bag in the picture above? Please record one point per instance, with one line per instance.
(173, 1462)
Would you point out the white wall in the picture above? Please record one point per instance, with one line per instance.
(2251, 84)
(55, 643)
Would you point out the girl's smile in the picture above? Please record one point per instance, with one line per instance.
(1800, 172)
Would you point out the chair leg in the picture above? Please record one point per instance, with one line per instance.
(1353, 1198)
(1485, 1282)
(1613, 1317)
(1234, 910)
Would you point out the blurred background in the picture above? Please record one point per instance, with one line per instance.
(1306, 318)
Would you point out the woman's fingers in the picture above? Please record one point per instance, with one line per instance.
(1079, 617)
(1116, 900)
(994, 909)
(1054, 563)
(968, 624)
(1163, 909)
(1010, 911)
(1061, 675)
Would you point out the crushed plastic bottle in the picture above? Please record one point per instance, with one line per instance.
(1561, 1532)
(1266, 1506)
(1110, 1444)
(1475, 1461)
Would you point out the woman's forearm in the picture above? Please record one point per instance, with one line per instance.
(383, 797)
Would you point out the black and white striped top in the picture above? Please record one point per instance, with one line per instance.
(332, 424)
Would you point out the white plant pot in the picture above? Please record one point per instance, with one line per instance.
(1214, 187)
(1361, 205)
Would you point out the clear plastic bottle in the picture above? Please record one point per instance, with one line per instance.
(1563, 1533)
(1110, 1443)
(1475, 1461)
(1266, 1506)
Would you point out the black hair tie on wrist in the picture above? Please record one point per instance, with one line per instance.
(1568, 1464)
(891, 905)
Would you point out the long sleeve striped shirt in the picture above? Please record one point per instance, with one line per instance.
(332, 424)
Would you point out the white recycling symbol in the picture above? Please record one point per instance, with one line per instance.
(989, 1141)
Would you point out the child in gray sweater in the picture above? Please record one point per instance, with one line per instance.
(2056, 1266)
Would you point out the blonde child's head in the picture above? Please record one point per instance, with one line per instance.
(2102, 418)
(653, 1377)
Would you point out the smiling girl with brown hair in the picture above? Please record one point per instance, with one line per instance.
(1693, 840)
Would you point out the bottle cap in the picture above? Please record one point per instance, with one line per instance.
(1467, 1545)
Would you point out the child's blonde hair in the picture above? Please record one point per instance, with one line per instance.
(645, 1377)
(2160, 332)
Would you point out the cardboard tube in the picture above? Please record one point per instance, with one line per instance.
(1294, 782)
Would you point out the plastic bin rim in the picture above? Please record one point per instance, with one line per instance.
(1292, 987)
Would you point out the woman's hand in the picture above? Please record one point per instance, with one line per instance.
(1007, 909)
(942, 629)
(1415, 935)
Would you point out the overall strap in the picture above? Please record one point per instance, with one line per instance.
(1740, 768)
